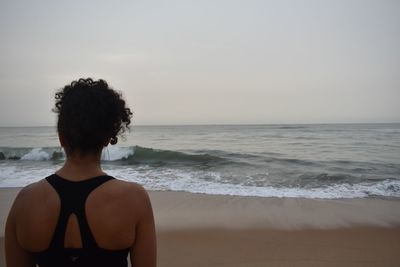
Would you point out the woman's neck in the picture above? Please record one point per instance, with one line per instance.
(78, 167)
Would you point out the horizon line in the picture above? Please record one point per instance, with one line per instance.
(218, 124)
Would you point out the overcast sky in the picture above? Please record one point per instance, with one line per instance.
(206, 62)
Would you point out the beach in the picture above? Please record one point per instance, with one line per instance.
(211, 230)
(267, 133)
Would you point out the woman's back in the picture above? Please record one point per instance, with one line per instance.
(114, 210)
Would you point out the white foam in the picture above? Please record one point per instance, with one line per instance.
(112, 153)
(18, 176)
(206, 182)
(36, 154)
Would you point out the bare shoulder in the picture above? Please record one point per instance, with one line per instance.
(31, 193)
(33, 203)
(126, 194)
(27, 192)
(130, 190)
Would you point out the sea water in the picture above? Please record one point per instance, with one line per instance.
(311, 161)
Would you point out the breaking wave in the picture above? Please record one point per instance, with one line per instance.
(218, 172)
(134, 155)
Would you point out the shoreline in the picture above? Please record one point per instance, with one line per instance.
(219, 230)
(183, 210)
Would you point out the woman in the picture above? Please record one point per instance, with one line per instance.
(80, 216)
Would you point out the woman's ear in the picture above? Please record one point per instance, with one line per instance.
(113, 140)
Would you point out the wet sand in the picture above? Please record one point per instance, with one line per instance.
(205, 230)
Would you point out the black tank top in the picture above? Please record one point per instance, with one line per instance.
(73, 196)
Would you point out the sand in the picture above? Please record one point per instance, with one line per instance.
(204, 230)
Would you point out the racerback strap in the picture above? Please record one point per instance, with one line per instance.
(73, 197)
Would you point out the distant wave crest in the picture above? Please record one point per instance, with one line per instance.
(134, 155)
(31, 153)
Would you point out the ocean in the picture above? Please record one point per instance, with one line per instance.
(307, 161)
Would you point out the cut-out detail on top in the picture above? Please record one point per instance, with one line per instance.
(73, 236)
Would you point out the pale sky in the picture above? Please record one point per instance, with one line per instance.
(206, 62)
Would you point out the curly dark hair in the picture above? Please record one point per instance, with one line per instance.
(90, 114)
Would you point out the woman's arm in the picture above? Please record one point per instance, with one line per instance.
(143, 253)
(16, 256)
